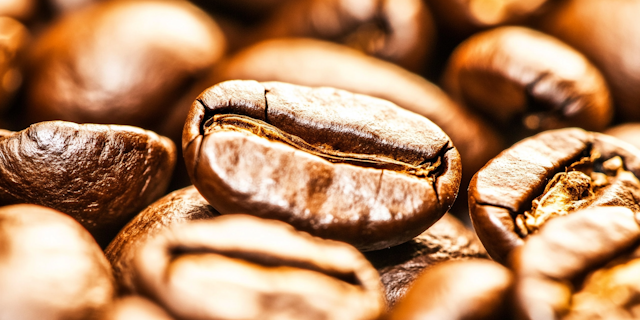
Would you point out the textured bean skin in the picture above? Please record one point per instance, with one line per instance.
(101, 175)
(507, 185)
(372, 174)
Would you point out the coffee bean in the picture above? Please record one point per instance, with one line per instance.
(243, 267)
(337, 165)
(399, 31)
(548, 175)
(129, 65)
(527, 82)
(101, 175)
(579, 266)
(51, 267)
(460, 18)
(452, 290)
(177, 207)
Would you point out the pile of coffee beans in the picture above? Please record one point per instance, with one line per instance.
(319, 159)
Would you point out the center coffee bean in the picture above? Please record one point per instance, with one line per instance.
(548, 175)
(335, 164)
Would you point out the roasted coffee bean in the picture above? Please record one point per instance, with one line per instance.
(243, 267)
(177, 207)
(399, 266)
(581, 266)
(528, 82)
(627, 132)
(101, 175)
(136, 308)
(51, 267)
(605, 31)
(14, 38)
(129, 65)
(456, 290)
(335, 164)
(317, 63)
(399, 31)
(548, 175)
(460, 18)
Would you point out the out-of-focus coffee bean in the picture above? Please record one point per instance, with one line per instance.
(177, 207)
(101, 175)
(548, 175)
(317, 63)
(243, 267)
(605, 31)
(460, 18)
(123, 62)
(51, 267)
(456, 290)
(399, 266)
(14, 38)
(558, 268)
(528, 82)
(136, 308)
(338, 165)
(399, 31)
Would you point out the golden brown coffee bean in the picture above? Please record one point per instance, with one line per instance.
(579, 267)
(399, 31)
(243, 267)
(129, 64)
(51, 267)
(548, 175)
(335, 164)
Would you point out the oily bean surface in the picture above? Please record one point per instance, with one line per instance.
(338, 165)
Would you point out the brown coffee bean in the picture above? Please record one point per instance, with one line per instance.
(528, 82)
(456, 290)
(335, 164)
(548, 175)
(136, 308)
(177, 207)
(317, 63)
(51, 267)
(129, 65)
(399, 31)
(605, 31)
(399, 266)
(243, 267)
(579, 267)
(460, 18)
(100, 175)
